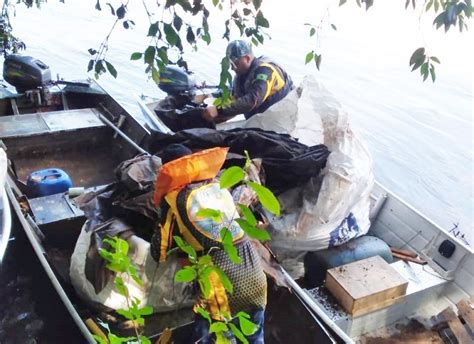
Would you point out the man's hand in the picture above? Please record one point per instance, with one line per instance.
(210, 113)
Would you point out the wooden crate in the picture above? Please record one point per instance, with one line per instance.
(457, 324)
(365, 285)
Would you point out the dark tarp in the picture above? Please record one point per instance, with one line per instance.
(286, 162)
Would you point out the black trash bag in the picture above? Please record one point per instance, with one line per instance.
(178, 114)
(287, 163)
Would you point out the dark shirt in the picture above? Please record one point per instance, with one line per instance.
(262, 86)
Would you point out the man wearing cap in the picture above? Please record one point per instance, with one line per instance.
(259, 83)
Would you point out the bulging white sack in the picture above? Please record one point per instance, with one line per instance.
(157, 291)
(328, 213)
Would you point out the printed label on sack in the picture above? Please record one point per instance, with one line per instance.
(347, 230)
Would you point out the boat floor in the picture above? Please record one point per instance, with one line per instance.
(86, 168)
(286, 319)
(411, 331)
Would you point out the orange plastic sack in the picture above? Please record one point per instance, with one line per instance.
(192, 168)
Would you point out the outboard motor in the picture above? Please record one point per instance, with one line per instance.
(180, 109)
(25, 72)
(175, 81)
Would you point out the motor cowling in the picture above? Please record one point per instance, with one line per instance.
(174, 80)
(25, 72)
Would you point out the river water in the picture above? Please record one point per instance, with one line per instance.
(420, 134)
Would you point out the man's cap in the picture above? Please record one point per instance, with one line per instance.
(238, 48)
(173, 152)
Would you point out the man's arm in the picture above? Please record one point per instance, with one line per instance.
(255, 96)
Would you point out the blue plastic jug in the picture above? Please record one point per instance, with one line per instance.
(48, 182)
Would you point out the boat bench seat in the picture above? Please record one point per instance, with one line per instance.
(49, 122)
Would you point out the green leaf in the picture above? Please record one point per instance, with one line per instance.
(252, 231)
(152, 30)
(121, 12)
(92, 51)
(125, 313)
(177, 22)
(206, 37)
(205, 260)
(229, 247)
(317, 60)
(111, 69)
(232, 253)
(121, 246)
(432, 72)
(309, 57)
(185, 247)
(155, 75)
(435, 59)
(342, 2)
(243, 314)
(144, 340)
(312, 31)
(147, 310)
(133, 272)
(186, 274)
(218, 327)
(163, 54)
(231, 176)
(424, 71)
(99, 339)
(222, 339)
(99, 67)
(334, 27)
(113, 339)
(247, 11)
(205, 314)
(417, 64)
(224, 280)
(208, 213)
(247, 327)
(260, 20)
(468, 9)
(439, 20)
(120, 286)
(150, 54)
(237, 333)
(266, 198)
(190, 37)
(204, 282)
(257, 4)
(417, 54)
(136, 56)
(171, 35)
(105, 254)
(428, 5)
(90, 65)
(247, 214)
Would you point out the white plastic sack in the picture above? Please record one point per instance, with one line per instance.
(157, 291)
(320, 215)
